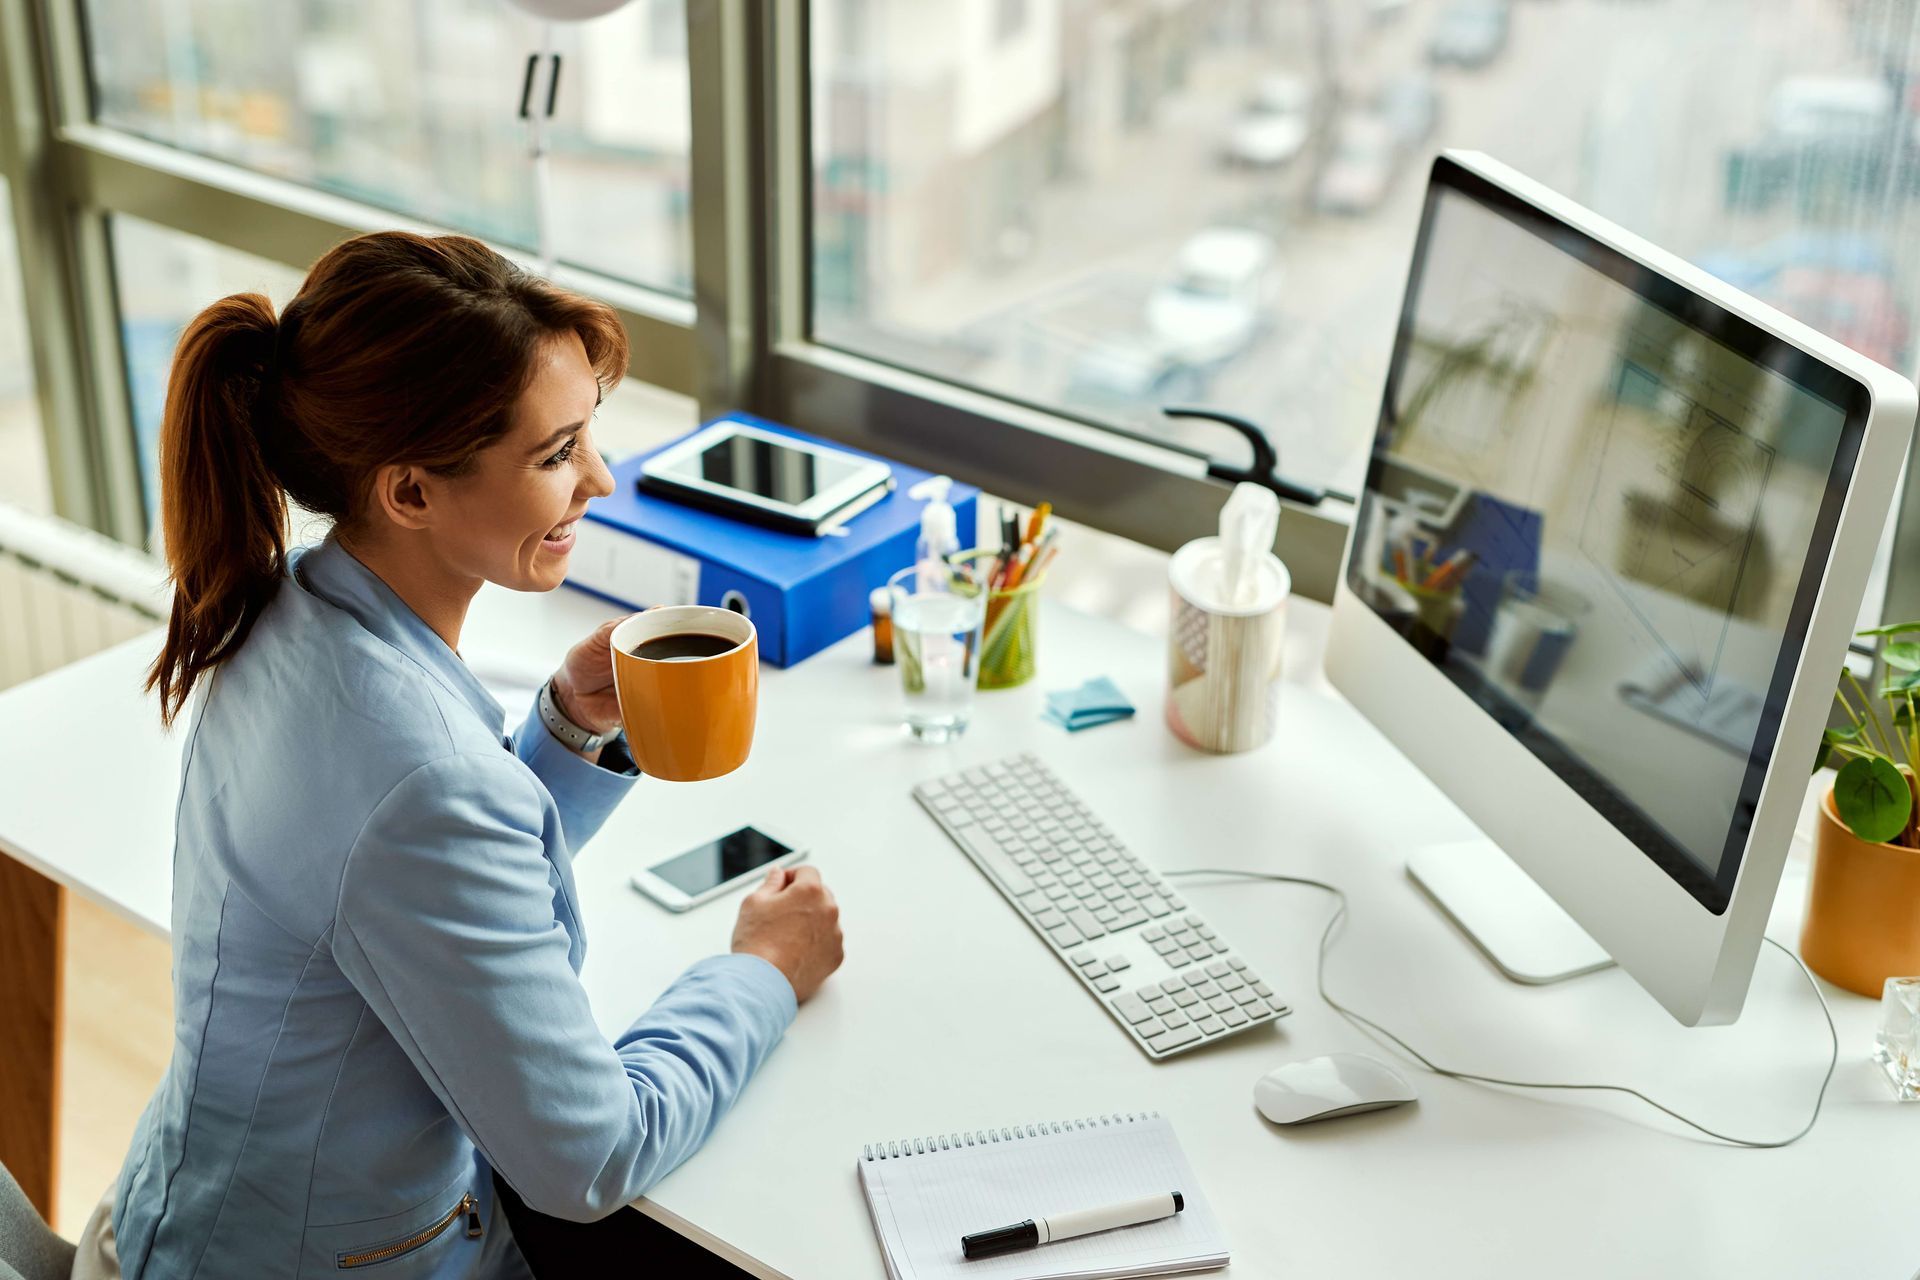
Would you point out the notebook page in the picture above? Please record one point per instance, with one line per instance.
(922, 1205)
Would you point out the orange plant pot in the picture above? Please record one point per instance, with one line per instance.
(1863, 908)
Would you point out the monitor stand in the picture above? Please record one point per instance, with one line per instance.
(1509, 917)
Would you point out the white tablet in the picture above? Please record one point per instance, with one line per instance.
(760, 476)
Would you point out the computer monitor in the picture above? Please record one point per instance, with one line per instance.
(1616, 527)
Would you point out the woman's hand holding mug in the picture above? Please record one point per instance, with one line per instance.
(583, 686)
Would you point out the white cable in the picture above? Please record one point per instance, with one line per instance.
(1370, 1026)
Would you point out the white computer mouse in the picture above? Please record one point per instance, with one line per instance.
(1340, 1084)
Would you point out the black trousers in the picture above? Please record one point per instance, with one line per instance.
(624, 1243)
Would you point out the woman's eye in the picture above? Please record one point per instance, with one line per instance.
(566, 451)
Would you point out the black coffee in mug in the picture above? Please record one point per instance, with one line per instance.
(684, 646)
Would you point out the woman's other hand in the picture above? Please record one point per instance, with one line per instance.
(792, 922)
(583, 686)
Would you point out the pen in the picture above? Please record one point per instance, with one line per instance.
(1079, 1222)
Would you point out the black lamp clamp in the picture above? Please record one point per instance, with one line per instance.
(1265, 467)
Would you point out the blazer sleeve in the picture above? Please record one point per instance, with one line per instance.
(584, 792)
(446, 926)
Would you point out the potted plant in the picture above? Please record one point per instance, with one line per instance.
(1863, 898)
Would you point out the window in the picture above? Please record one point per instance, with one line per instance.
(412, 106)
(164, 279)
(24, 481)
(1122, 206)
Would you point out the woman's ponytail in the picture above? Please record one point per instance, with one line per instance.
(223, 511)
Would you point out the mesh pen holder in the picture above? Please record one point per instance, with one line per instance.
(1007, 648)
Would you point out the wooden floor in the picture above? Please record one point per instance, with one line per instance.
(119, 1029)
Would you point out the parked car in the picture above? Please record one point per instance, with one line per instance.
(1274, 126)
(1411, 108)
(1222, 284)
(1365, 157)
(1827, 138)
(1469, 33)
(1131, 379)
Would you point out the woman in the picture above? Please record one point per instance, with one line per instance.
(380, 1037)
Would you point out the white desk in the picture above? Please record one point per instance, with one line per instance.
(950, 1014)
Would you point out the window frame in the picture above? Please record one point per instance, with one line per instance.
(744, 341)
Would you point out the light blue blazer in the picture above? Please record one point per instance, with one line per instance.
(376, 942)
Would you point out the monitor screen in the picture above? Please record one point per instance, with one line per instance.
(1601, 505)
(759, 466)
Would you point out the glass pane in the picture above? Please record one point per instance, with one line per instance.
(24, 480)
(164, 278)
(1104, 206)
(413, 106)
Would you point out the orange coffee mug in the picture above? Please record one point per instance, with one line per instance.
(688, 677)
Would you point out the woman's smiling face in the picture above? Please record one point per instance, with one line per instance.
(515, 508)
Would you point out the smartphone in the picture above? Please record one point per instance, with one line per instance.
(704, 873)
(739, 470)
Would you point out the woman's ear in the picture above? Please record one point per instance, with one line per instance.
(405, 493)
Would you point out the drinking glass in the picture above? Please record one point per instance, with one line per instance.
(936, 638)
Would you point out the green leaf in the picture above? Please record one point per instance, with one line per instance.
(1831, 739)
(1904, 654)
(1873, 799)
(1891, 629)
(1898, 684)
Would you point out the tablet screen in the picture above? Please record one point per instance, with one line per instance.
(765, 469)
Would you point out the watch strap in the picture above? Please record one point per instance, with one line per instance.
(567, 731)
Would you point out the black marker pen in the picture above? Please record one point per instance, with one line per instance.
(1063, 1226)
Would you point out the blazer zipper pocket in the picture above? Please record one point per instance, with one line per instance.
(468, 1205)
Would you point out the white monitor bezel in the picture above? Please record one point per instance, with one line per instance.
(1695, 962)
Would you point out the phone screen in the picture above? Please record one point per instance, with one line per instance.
(713, 864)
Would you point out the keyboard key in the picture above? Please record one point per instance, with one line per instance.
(1117, 962)
(1178, 960)
(1065, 936)
(1132, 1008)
(1209, 1025)
(1176, 927)
(1237, 963)
(1150, 1028)
(1220, 1004)
(1244, 996)
(1129, 917)
(1106, 985)
(1219, 948)
(1160, 1005)
(1219, 969)
(1277, 1007)
(1047, 918)
(1174, 1038)
(1094, 970)
(1229, 981)
(1082, 919)
(1206, 990)
(1084, 959)
(1149, 992)
(1262, 989)
(1234, 1018)
(1176, 903)
(1156, 908)
(1154, 935)
(1175, 1018)
(1173, 986)
(1167, 947)
(1185, 998)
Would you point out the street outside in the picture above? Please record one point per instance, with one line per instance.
(1629, 106)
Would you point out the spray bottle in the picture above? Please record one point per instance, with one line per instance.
(939, 533)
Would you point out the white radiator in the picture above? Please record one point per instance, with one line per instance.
(66, 592)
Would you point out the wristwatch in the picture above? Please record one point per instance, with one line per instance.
(566, 730)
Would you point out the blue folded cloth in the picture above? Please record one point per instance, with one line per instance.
(1097, 701)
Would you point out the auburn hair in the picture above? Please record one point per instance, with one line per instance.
(398, 348)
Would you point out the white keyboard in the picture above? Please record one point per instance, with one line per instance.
(1152, 961)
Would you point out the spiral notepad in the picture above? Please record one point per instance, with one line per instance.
(925, 1193)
